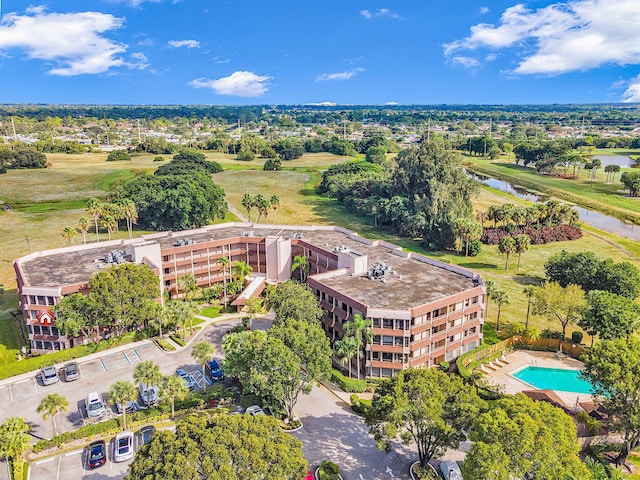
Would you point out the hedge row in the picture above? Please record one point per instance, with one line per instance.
(348, 384)
(177, 339)
(164, 345)
(38, 361)
(359, 405)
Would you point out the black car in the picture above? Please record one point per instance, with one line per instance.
(71, 372)
(97, 454)
(145, 434)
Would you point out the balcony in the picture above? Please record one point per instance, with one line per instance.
(387, 348)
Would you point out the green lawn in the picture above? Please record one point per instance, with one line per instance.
(211, 312)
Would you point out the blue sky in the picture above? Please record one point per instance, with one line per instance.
(313, 51)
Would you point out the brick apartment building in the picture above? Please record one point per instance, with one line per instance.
(423, 311)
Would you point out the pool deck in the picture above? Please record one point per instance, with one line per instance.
(519, 359)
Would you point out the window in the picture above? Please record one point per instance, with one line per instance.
(387, 340)
(387, 357)
(32, 299)
(387, 323)
(438, 328)
(376, 339)
(386, 372)
(46, 330)
(376, 322)
(50, 301)
(41, 300)
(48, 346)
(29, 329)
(38, 345)
(36, 329)
(54, 331)
(345, 307)
(57, 346)
(375, 372)
(439, 343)
(375, 355)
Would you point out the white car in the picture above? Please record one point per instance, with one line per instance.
(95, 406)
(254, 411)
(149, 394)
(123, 446)
(450, 470)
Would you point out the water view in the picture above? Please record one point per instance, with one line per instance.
(624, 161)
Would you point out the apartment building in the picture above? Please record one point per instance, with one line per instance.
(423, 311)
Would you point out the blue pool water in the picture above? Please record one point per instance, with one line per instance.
(554, 379)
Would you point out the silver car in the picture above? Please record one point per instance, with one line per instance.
(49, 375)
(71, 372)
(95, 406)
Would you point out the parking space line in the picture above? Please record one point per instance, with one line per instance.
(11, 392)
(127, 357)
(103, 365)
(22, 381)
(58, 472)
(40, 462)
(76, 452)
(137, 355)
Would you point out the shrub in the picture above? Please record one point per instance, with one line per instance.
(158, 159)
(359, 405)
(348, 384)
(245, 156)
(272, 164)
(592, 425)
(328, 471)
(118, 155)
(101, 428)
(576, 337)
(475, 247)
(444, 366)
(548, 333)
(164, 345)
(177, 339)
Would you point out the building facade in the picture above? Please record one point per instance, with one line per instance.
(423, 311)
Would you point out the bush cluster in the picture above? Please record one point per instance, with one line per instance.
(538, 235)
(177, 339)
(359, 405)
(328, 471)
(82, 432)
(348, 384)
(164, 345)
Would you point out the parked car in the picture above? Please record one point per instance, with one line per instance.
(254, 410)
(131, 406)
(450, 470)
(145, 434)
(214, 370)
(148, 394)
(123, 446)
(49, 375)
(309, 475)
(97, 454)
(95, 406)
(188, 379)
(71, 372)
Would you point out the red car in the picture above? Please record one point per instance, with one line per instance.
(309, 476)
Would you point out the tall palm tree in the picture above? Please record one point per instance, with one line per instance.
(173, 388)
(83, 226)
(247, 202)
(362, 330)
(109, 222)
(131, 214)
(50, 406)
(189, 285)
(346, 348)
(147, 372)
(523, 244)
(123, 392)
(162, 320)
(68, 233)
(262, 205)
(507, 246)
(241, 270)
(14, 440)
(490, 286)
(529, 290)
(301, 262)
(274, 201)
(94, 208)
(501, 298)
(202, 352)
(224, 262)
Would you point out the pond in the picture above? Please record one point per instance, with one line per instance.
(623, 161)
(598, 220)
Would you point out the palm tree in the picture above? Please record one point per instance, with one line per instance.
(174, 388)
(274, 201)
(50, 406)
(241, 270)
(189, 285)
(83, 226)
(131, 214)
(254, 306)
(262, 205)
(123, 392)
(109, 222)
(148, 373)
(529, 290)
(507, 246)
(14, 440)
(94, 208)
(490, 286)
(595, 165)
(224, 262)
(68, 233)
(163, 319)
(301, 262)
(361, 329)
(202, 352)
(247, 202)
(501, 298)
(523, 244)
(346, 348)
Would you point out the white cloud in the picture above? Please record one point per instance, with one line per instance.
(136, 3)
(184, 43)
(73, 42)
(238, 84)
(484, 10)
(138, 61)
(221, 59)
(147, 42)
(466, 62)
(380, 12)
(339, 75)
(392, 104)
(563, 37)
(632, 93)
(322, 104)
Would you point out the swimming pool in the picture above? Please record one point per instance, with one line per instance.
(560, 379)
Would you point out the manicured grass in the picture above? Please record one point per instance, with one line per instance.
(607, 198)
(10, 339)
(211, 312)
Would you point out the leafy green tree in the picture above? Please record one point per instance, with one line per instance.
(566, 305)
(131, 214)
(490, 286)
(189, 286)
(523, 244)
(50, 406)
(507, 246)
(162, 320)
(521, 438)
(613, 368)
(122, 392)
(14, 440)
(126, 295)
(118, 155)
(362, 330)
(610, 315)
(253, 306)
(425, 407)
(202, 352)
(301, 262)
(173, 388)
(241, 270)
(222, 447)
(293, 300)
(148, 373)
(245, 156)
(272, 164)
(376, 154)
(77, 314)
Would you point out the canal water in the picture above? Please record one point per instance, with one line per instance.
(622, 160)
(598, 220)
